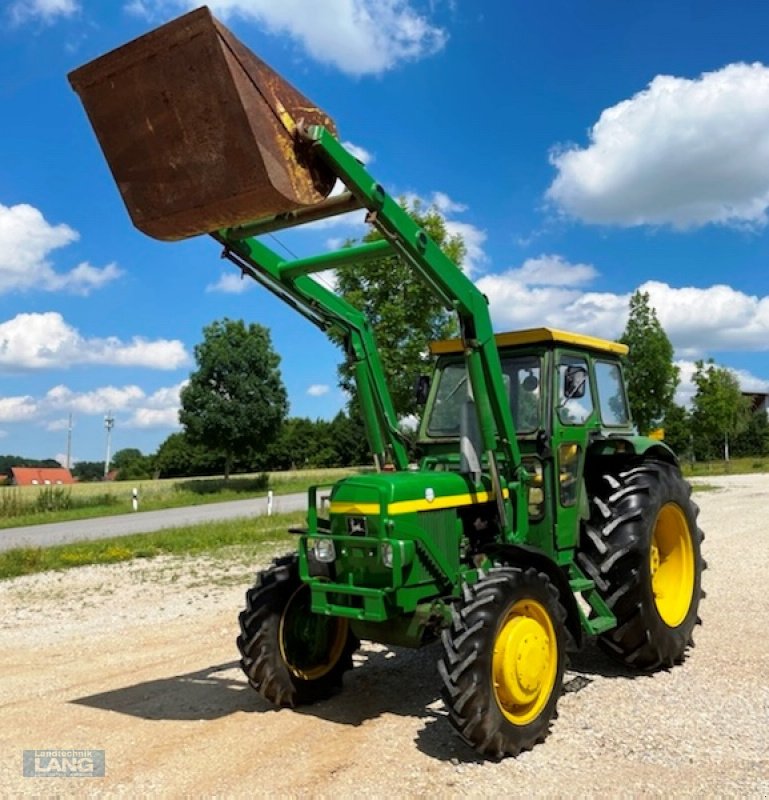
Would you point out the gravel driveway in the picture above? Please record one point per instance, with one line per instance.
(139, 660)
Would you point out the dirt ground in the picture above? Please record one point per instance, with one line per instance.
(139, 660)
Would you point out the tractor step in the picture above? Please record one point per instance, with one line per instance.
(599, 618)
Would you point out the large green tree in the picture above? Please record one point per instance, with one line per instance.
(651, 375)
(235, 401)
(720, 412)
(402, 310)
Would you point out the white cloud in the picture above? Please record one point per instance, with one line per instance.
(17, 409)
(682, 152)
(358, 37)
(541, 292)
(46, 10)
(154, 418)
(98, 401)
(318, 390)
(26, 241)
(714, 318)
(360, 153)
(698, 321)
(552, 270)
(159, 409)
(687, 389)
(474, 239)
(45, 341)
(231, 283)
(446, 205)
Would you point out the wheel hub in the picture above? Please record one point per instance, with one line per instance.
(523, 649)
(671, 565)
(524, 662)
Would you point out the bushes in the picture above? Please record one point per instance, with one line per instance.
(257, 483)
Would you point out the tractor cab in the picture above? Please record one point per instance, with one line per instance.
(567, 395)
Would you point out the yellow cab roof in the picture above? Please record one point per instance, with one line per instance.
(548, 336)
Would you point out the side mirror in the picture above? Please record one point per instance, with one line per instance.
(574, 383)
(422, 389)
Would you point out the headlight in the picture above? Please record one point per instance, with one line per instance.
(324, 550)
(387, 554)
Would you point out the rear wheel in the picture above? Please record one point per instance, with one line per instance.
(290, 655)
(503, 661)
(642, 549)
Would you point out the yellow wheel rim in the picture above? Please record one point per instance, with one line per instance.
(310, 644)
(671, 561)
(525, 662)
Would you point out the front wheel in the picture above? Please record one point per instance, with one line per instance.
(290, 655)
(503, 661)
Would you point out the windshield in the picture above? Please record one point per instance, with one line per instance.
(522, 383)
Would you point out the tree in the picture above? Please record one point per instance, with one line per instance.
(132, 464)
(235, 401)
(754, 440)
(651, 375)
(177, 457)
(402, 310)
(88, 470)
(720, 411)
(678, 431)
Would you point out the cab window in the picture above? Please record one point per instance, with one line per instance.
(575, 400)
(611, 394)
(523, 384)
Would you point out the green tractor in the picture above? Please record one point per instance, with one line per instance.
(534, 521)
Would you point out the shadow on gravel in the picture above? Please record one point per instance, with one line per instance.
(592, 661)
(394, 681)
(209, 693)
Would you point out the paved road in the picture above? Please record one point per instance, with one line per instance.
(143, 521)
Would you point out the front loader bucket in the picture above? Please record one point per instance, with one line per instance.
(198, 131)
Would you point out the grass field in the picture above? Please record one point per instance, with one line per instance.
(736, 466)
(31, 505)
(248, 537)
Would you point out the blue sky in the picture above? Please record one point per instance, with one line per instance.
(583, 149)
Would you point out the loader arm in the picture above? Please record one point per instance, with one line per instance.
(288, 281)
(402, 237)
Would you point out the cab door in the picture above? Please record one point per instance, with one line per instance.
(574, 417)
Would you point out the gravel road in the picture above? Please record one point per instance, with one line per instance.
(144, 521)
(139, 660)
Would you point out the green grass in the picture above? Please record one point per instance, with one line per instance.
(21, 506)
(735, 466)
(254, 534)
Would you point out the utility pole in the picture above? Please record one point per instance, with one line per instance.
(69, 442)
(109, 424)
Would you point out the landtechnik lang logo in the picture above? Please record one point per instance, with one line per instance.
(63, 764)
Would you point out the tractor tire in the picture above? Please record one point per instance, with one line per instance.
(290, 655)
(503, 661)
(642, 548)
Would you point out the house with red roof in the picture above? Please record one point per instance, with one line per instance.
(40, 476)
